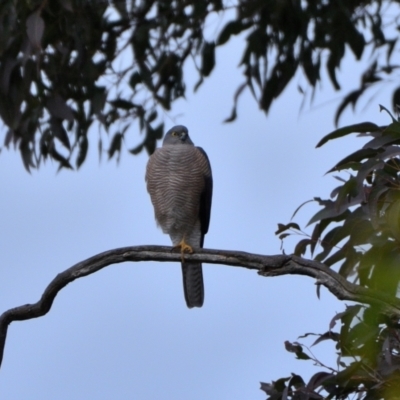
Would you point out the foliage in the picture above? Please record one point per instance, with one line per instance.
(66, 65)
(357, 231)
(368, 363)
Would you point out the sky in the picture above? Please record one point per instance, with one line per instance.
(125, 332)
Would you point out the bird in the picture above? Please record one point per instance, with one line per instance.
(179, 181)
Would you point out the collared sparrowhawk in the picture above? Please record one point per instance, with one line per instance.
(179, 181)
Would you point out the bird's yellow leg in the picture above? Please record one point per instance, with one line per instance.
(185, 248)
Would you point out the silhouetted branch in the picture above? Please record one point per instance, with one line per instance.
(265, 265)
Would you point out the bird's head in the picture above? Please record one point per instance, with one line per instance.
(178, 134)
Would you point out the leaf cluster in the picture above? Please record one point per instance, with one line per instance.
(368, 362)
(61, 70)
(357, 231)
(67, 64)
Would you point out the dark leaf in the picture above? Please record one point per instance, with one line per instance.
(380, 142)
(296, 381)
(392, 215)
(368, 166)
(315, 237)
(231, 28)
(348, 192)
(392, 130)
(281, 75)
(98, 100)
(121, 103)
(159, 131)
(135, 79)
(333, 63)
(35, 29)
(335, 191)
(283, 227)
(83, 148)
(208, 58)
(361, 333)
(137, 149)
(145, 75)
(317, 379)
(374, 204)
(280, 384)
(327, 336)
(337, 317)
(59, 132)
(311, 70)
(235, 101)
(362, 127)
(8, 138)
(356, 41)
(355, 224)
(268, 388)
(391, 45)
(340, 179)
(297, 349)
(63, 162)
(370, 75)
(121, 5)
(302, 356)
(293, 347)
(396, 100)
(152, 116)
(383, 108)
(150, 145)
(27, 156)
(350, 99)
(355, 157)
(198, 84)
(115, 146)
(328, 212)
(349, 313)
(66, 4)
(100, 148)
(307, 335)
(301, 247)
(344, 378)
(59, 109)
(300, 206)
(232, 117)
(337, 256)
(7, 68)
(327, 243)
(318, 290)
(390, 152)
(9, 113)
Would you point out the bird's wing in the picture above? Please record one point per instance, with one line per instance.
(206, 197)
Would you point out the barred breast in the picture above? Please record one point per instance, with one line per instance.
(175, 178)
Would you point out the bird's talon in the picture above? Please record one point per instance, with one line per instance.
(184, 247)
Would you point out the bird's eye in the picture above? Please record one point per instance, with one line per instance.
(174, 134)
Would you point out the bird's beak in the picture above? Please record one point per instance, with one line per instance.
(183, 136)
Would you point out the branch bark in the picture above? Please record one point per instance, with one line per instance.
(267, 266)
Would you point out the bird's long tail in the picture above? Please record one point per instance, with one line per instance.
(193, 286)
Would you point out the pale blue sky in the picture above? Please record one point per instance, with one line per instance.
(125, 332)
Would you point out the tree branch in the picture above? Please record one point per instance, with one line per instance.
(265, 265)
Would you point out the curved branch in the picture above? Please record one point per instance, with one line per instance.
(265, 265)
